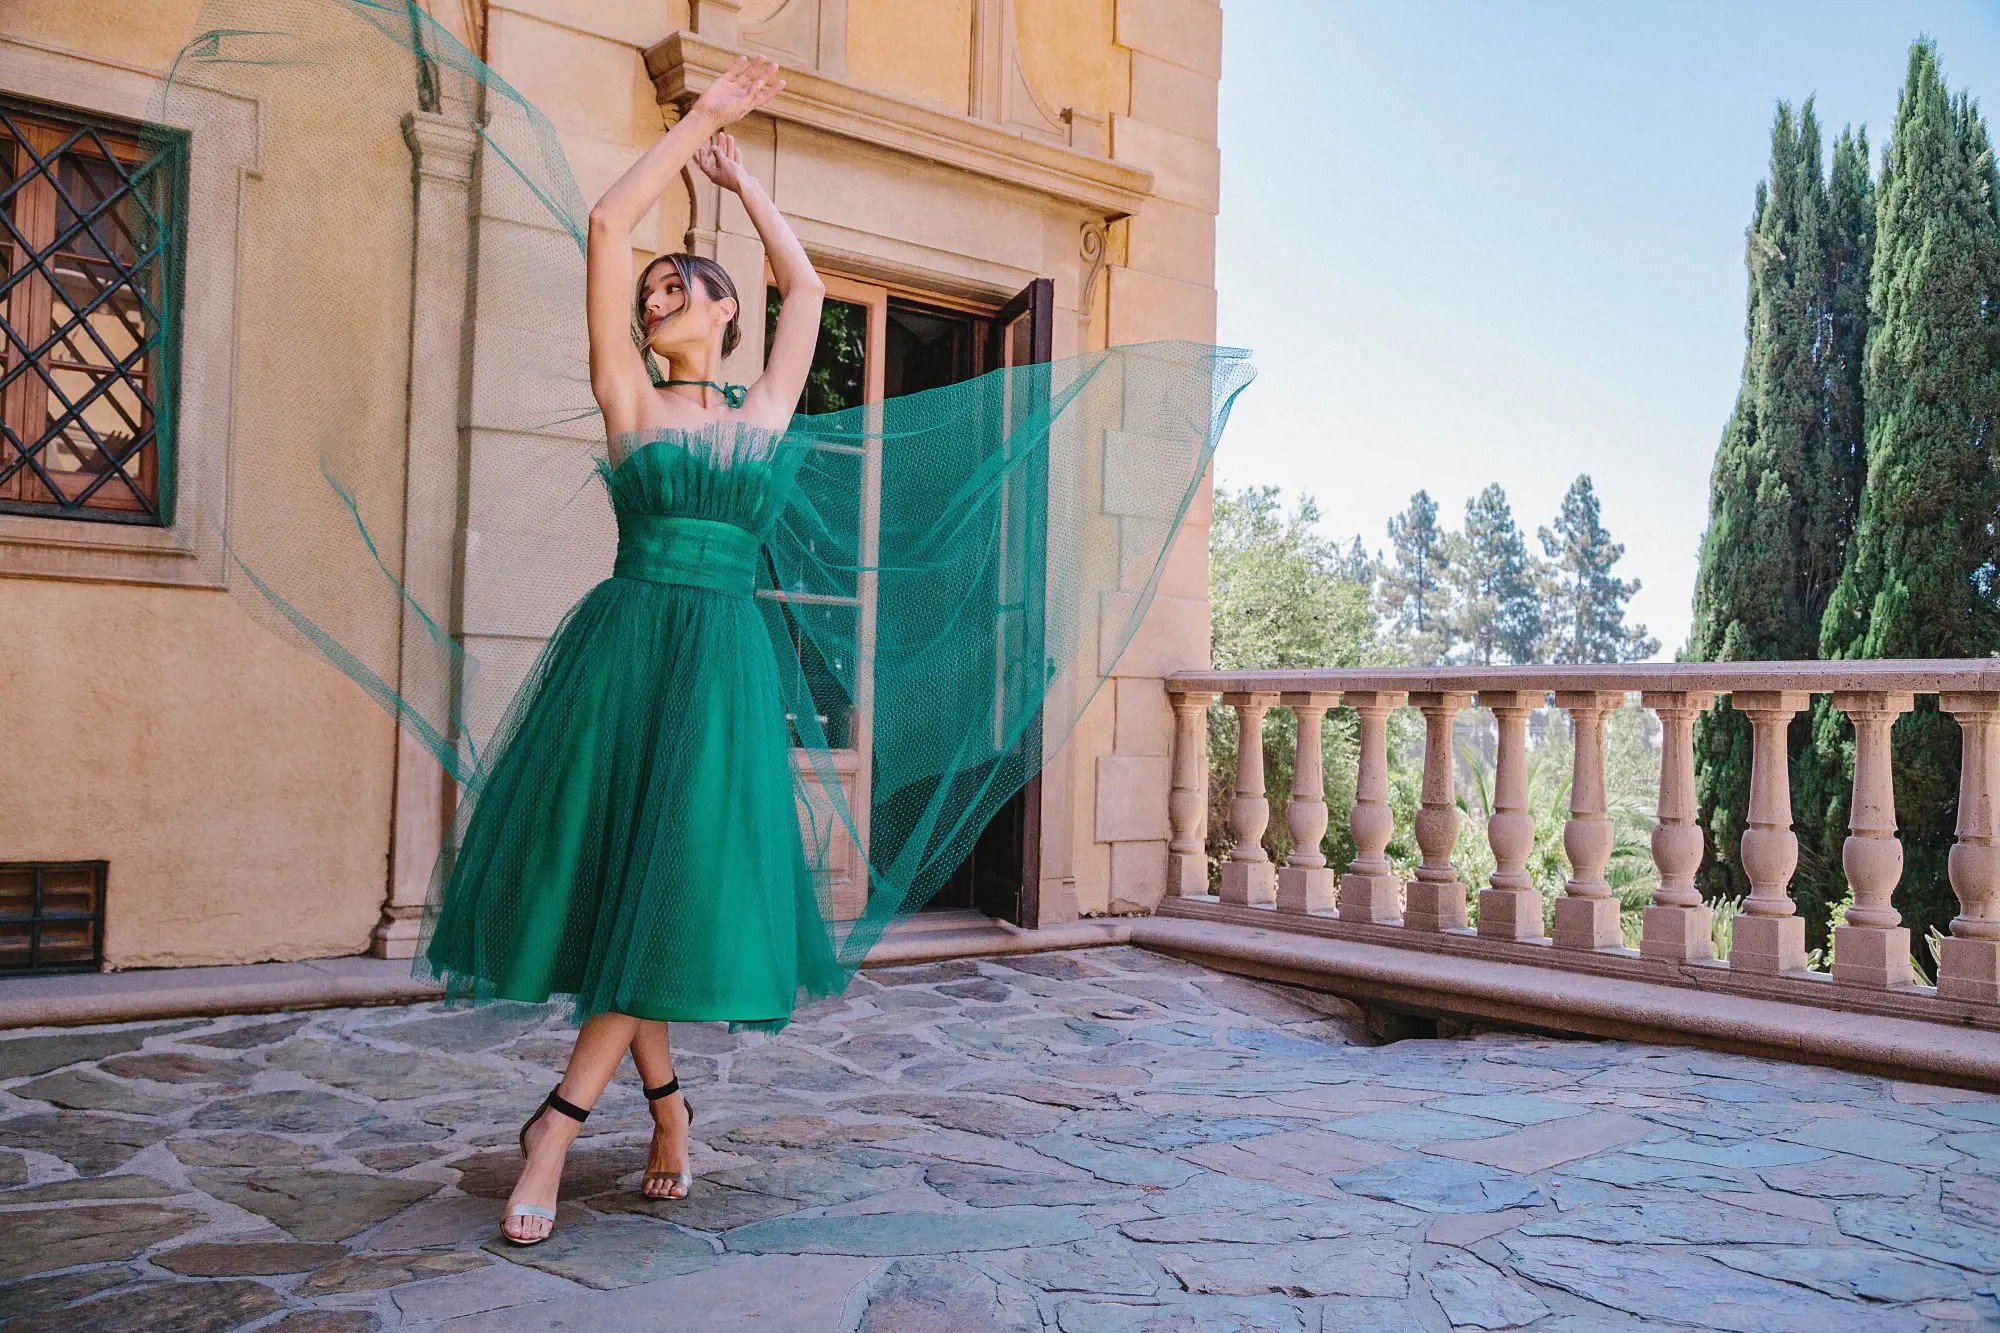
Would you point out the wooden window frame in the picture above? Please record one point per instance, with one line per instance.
(874, 297)
(850, 762)
(137, 488)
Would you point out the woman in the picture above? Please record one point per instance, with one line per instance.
(636, 843)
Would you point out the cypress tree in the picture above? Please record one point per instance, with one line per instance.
(1850, 257)
(1782, 494)
(1919, 577)
(1821, 773)
(1497, 610)
(1585, 603)
(1413, 584)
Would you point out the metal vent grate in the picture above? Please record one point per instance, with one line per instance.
(51, 916)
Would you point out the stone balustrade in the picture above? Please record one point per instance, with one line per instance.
(1433, 911)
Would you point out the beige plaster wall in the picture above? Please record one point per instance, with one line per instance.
(238, 786)
(1070, 53)
(919, 49)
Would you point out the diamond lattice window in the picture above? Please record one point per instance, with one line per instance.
(88, 274)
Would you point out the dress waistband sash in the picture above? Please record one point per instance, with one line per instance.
(698, 552)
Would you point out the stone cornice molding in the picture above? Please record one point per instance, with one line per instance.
(685, 63)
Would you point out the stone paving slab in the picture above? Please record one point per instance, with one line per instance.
(1099, 1141)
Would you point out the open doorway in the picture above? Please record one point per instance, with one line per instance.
(877, 342)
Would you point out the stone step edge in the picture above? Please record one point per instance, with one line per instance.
(1580, 1004)
(81, 998)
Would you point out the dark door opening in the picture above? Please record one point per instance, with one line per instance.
(926, 345)
(1002, 875)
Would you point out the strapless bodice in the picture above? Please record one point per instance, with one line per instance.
(694, 507)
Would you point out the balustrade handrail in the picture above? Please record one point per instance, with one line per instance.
(1907, 675)
(1433, 909)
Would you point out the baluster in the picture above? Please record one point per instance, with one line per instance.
(1248, 877)
(1436, 899)
(1679, 927)
(1511, 909)
(1969, 961)
(1305, 882)
(1873, 948)
(1368, 892)
(1187, 804)
(1587, 914)
(1769, 937)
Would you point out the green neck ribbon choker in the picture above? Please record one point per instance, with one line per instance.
(731, 393)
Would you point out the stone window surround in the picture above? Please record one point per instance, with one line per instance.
(189, 552)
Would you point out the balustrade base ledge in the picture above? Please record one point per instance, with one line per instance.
(1905, 1033)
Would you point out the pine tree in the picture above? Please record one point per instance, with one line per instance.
(1497, 606)
(1782, 494)
(1414, 589)
(1919, 577)
(1355, 565)
(1585, 603)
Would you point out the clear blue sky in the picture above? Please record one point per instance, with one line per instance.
(1474, 242)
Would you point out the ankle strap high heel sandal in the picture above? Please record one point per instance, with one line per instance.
(555, 1101)
(685, 1179)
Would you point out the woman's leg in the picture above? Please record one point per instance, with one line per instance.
(654, 1059)
(600, 1045)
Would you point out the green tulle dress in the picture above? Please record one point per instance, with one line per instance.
(636, 842)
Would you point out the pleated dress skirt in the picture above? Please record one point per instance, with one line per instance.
(636, 842)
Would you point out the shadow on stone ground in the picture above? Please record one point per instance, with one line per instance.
(1105, 1141)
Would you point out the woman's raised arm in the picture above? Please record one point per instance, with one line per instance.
(618, 377)
(789, 357)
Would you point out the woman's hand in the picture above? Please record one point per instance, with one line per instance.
(720, 161)
(742, 88)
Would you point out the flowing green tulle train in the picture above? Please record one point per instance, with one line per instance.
(787, 678)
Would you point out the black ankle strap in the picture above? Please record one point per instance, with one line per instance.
(557, 1102)
(667, 1089)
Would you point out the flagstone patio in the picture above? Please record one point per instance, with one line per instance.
(1101, 1141)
